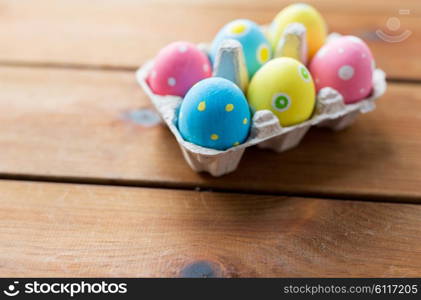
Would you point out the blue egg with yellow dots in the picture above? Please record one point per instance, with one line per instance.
(214, 114)
(256, 47)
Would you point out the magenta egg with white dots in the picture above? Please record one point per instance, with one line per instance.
(178, 67)
(345, 64)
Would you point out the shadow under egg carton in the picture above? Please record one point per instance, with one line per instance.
(266, 132)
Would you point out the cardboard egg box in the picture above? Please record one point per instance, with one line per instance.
(266, 132)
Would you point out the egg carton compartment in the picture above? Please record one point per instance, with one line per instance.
(266, 132)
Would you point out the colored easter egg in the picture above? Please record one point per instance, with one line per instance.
(256, 47)
(345, 64)
(177, 67)
(214, 114)
(285, 87)
(308, 16)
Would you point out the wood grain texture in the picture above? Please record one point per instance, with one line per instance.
(124, 33)
(80, 230)
(82, 125)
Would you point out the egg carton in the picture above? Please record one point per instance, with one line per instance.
(266, 132)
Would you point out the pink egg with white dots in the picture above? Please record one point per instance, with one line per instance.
(345, 64)
(178, 67)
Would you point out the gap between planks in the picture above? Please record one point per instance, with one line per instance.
(187, 187)
(110, 68)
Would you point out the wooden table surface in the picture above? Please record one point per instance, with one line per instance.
(87, 189)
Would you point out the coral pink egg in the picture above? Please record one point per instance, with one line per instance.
(177, 68)
(345, 64)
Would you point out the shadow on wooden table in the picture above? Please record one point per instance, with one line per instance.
(322, 159)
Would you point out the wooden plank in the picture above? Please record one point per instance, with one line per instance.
(64, 230)
(83, 125)
(124, 33)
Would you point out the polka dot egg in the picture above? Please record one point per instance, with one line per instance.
(177, 68)
(285, 87)
(345, 64)
(214, 114)
(257, 50)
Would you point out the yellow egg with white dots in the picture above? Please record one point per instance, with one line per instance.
(285, 87)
